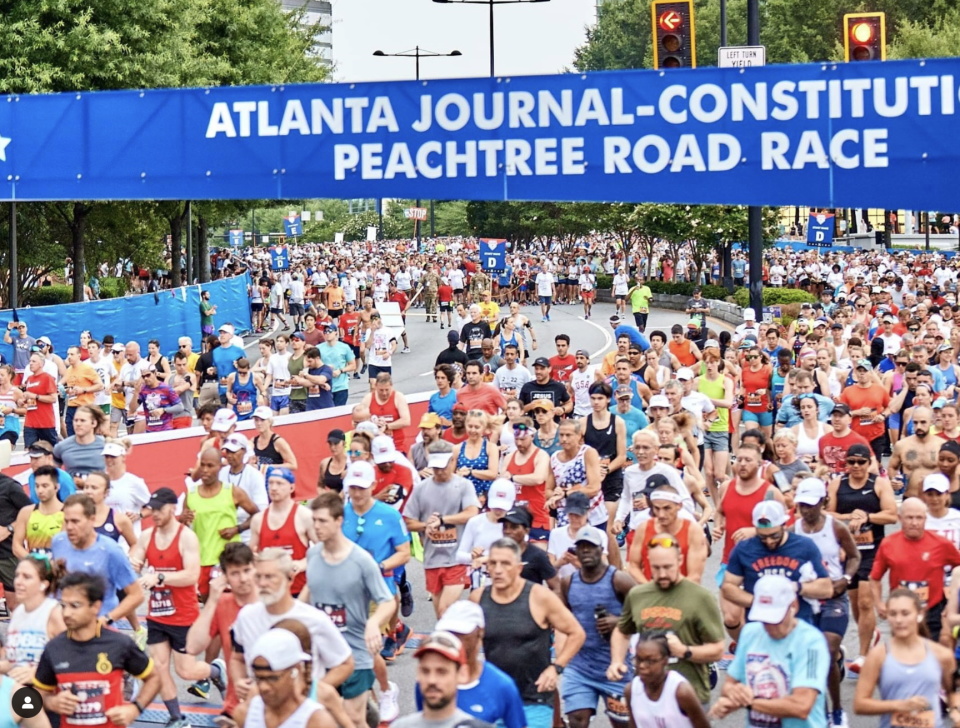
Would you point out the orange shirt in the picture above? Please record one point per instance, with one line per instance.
(876, 398)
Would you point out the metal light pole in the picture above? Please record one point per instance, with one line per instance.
(755, 214)
(14, 273)
(417, 53)
(491, 3)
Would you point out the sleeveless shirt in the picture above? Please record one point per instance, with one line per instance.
(287, 538)
(849, 499)
(173, 605)
(738, 513)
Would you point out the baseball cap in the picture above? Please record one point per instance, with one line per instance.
(42, 447)
(462, 617)
(453, 337)
(659, 400)
(223, 420)
(711, 344)
(772, 596)
(841, 407)
(118, 347)
(359, 475)
(865, 364)
(439, 458)
(583, 352)
(518, 515)
(577, 503)
(541, 361)
(329, 327)
(590, 535)
(461, 407)
(298, 335)
(383, 449)
(623, 393)
(227, 328)
(936, 481)
(368, 427)
(110, 450)
(858, 449)
(429, 421)
(445, 644)
(749, 314)
(693, 324)
(285, 473)
(810, 491)
(336, 436)
(768, 514)
(876, 289)
(502, 494)
(280, 648)
(162, 497)
(685, 373)
(263, 413)
(235, 443)
(544, 404)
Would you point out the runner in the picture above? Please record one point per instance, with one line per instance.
(657, 696)
(36, 620)
(240, 474)
(37, 524)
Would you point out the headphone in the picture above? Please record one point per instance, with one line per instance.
(295, 673)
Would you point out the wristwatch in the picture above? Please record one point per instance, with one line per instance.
(848, 577)
(687, 654)
(160, 578)
(557, 667)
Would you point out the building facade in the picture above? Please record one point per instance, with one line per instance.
(317, 11)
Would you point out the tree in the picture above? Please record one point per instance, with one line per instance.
(928, 39)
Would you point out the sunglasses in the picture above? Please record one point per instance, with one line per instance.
(666, 542)
(901, 363)
(857, 461)
(360, 523)
(913, 331)
(752, 357)
(356, 453)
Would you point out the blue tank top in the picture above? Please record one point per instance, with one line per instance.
(505, 342)
(108, 528)
(899, 682)
(949, 376)
(481, 462)
(246, 395)
(583, 598)
(778, 383)
(6, 693)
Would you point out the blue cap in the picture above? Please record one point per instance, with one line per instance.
(284, 473)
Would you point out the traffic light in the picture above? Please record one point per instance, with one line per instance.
(864, 37)
(674, 34)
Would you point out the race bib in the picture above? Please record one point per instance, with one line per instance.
(337, 614)
(92, 709)
(644, 309)
(921, 589)
(161, 603)
(314, 390)
(754, 399)
(864, 538)
(617, 710)
(922, 719)
(444, 537)
(244, 407)
(866, 421)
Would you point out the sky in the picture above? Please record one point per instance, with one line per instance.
(537, 38)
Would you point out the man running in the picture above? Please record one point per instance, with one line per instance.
(916, 455)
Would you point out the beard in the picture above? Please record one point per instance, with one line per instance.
(270, 598)
(438, 703)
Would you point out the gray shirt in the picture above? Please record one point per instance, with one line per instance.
(80, 459)
(459, 718)
(344, 591)
(447, 499)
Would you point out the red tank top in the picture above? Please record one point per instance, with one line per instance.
(683, 353)
(531, 496)
(174, 605)
(389, 413)
(286, 538)
(738, 513)
(752, 381)
(683, 536)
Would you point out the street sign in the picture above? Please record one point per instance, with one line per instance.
(236, 238)
(415, 213)
(741, 56)
(670, 20)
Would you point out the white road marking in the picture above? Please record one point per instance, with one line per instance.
(607, 336)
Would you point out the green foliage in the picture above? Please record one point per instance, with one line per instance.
(774, 296)
(620, 39)
(933, 39)
(714, 293)
(114, 287)
(47, 295)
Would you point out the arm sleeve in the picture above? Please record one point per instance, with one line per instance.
(466, 543)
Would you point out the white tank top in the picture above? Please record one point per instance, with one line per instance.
(826, 541)
(27, 635)
(807, 445)
(299, 718)
(663, 712)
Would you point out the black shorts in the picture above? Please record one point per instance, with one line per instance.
(335, 313)
(866, 566)
(612, 487)
(458, 291)
(446, 306)
(7, 568)
(176, 635)
(256, 307)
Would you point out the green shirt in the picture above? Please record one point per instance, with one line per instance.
(640, 299)
(295, 366)
(686, 609)
(206, 318)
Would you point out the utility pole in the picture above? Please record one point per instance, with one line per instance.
(755, 214)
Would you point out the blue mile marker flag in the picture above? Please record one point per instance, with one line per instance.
(820, 230)
(279, 258)
(236, 238)
(292, 226)
(493, 254)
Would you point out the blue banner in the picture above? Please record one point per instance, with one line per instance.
(493, 254)
(236, 238)
(279, 258)
(829, 134)
(292, 226)
(820, 230)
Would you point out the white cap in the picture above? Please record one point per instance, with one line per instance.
(659, 400)
(810, 491)
(46, 340)
(711, 344)
(438, 459)
(235, 443)
(936, 481)
(224, 420)
(772, 596)
(114, 450)
(359, 475)
(280, 648)
(749, 314)
(369, 427)
(383, 449)
(685, 373)
(502, 494)
(462, 617)
(769, 514)
(228, 328)
(263, 413)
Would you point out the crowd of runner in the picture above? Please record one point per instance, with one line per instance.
(564, 511)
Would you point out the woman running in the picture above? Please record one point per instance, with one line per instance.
(659, 697)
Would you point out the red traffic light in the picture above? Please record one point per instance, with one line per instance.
(862, 32)
(670, 20)
(865, 37)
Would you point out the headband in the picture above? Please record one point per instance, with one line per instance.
(665, 495)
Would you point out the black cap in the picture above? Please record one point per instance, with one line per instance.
(858, 449)
(336, 436)
(520, 516)
(577, 503)
(951, 446)
(842, 408)
(162, 497)
(541, 361)
(453, 337)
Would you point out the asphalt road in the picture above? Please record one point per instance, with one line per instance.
(412, 375)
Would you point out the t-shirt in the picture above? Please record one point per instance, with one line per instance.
(552, 390)
(876, 398)
(224, 359)
(317, 397)
(220, 626)
(536, 565)
(384, 530)
(833, 449)
(447, 499)
(343, 591)
(104, 557)
(81, 376)
(545, 283)
(206, 314)
(105, 371)
(491, 698)
(486, 398)
(472, 334)
(775, 668)
(640, 299)
(337, 356)
(40, 414)
(511, 380)
(750, 559)
(158, 398)
(295, 366)
(12, 499)
(563, 367)
(916, 564)
(80, 459)
(458, 720)
(686, 609)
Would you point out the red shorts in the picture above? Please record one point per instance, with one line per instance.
(586, 295)
(446, 576)
(203, 586)
(18, 379)
(182, 423)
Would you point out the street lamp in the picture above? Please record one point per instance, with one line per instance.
(491, 3)
(418, 53)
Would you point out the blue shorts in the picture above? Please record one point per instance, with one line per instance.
(546, 301)
(279, 403)
(539, 534)
(580, 692)
(764, 419)
(721, 575)
(893, 421)
(539, 715)
(834, 616)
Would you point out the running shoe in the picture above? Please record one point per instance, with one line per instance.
(402, 635)
(389, 703)
(200, 689)
(406, 598)
(405, 350)
(220, 682)
(140, 637)
(839, 718)
(856, 665)
(389, 651)
(177, 723)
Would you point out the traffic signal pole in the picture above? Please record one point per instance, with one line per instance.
(755, 214)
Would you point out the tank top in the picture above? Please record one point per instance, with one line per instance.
(665, 711)
(388, 412)
(332, 481)
(11, 422)
(210, 516)
(531, 496)
(27, 634)
(778, 381)
(287, 538)
(246, 394)
(826, 541)
(583, 599)
(605, 443)
(797, 346)
(517, 633)
(481, 462)
(570, 474)
(752, 381)
(682, 351)
(738, 512)
(108, 528)
(173, 605)
(299, 718)
(899, 682)
(715, 390)
(41, 529)
(683, 536)
(949, 375)
(7, 688)
(505, 342)
(807, 445)
(865, 499)
(267, 455)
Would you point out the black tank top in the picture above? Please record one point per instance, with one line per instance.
(865, 499)
(269, 454)
(605, 443)
(332, 481)
(108, 528)
(512, 631)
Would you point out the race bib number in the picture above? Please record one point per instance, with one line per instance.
(921, 589)
(314, 390)
(337, 614)
(444, 537)
(643, 309)
(244, 407)
(92, 708)
(864, 538)
(922, 719)
(161, 603)
(866, 421)
(754, 400)
(616, 710)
